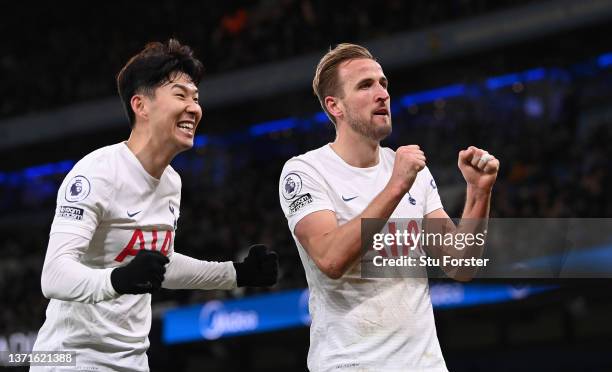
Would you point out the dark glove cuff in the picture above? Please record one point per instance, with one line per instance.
(116, 280)
(241, 273)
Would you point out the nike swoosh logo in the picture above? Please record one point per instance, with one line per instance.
(349, 199)
(132, 214)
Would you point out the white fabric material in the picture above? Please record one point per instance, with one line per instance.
(65, 278)
(108, 208)
(184, 272)
(361, 324)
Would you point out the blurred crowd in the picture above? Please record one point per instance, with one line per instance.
(551, 136)
(78, 54)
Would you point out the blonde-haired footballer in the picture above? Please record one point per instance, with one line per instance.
(361, 324)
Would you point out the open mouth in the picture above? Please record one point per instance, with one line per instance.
(187, 127)
(382, 111)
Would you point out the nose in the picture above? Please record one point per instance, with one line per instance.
(381, 94)
(194, 110)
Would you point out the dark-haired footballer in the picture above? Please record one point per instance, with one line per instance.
(112, 239)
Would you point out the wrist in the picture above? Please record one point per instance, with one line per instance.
(397, 190)
(238, 267)
(116, 277)
(108, 287)
(478, 192)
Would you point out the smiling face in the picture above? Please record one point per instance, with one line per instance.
(365, 104)
(173, 112)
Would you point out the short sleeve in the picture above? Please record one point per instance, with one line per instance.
(82, 199)
(432, 198)
(302, 191)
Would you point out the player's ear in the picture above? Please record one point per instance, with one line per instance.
(139, 106)
(334, 106)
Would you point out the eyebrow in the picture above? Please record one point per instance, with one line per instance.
(185, 87)
(367, 80)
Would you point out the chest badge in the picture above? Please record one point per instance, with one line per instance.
(411, 200)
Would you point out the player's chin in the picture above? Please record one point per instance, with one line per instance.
(184, 142)
(187, 145)
(384, 120)
(383, 125)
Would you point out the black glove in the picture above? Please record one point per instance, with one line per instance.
(259, 269)
(144, 274)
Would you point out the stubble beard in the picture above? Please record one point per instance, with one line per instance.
(368, 129)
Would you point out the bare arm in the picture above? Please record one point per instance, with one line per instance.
(480, 177)
(333, 248)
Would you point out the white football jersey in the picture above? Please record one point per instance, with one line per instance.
(109, 199)
(361, 324)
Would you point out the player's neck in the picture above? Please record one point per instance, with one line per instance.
(356, 150)
(154, 157)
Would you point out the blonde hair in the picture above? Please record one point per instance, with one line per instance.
(326, 80)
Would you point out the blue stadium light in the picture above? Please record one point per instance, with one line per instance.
(395, 108)
(46, 169)
(289, 309)
(14, 179)
(253, 314)
(200, 141)
(604, 60)
(450, 91)
(39, 171)
(272, 126)
(594, 261)
(456, 295)
(558, 74)
(535, 74)
(501, 81)
(320, 117)
(64, 166)
(30, 173)
(432, 95)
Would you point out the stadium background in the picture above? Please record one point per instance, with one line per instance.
(529, 80)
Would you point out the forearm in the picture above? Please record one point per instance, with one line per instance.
(346, 239)
(474, 220)
(65, 278)
(471, 233)
(479, 169)
(477, 203)
(184, 272)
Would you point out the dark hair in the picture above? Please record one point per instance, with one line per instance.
(154, 66)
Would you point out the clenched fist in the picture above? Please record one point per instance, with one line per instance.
(478, 167)
(144, 274)
(259, 269)
(409, 160)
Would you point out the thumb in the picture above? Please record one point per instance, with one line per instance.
(271, 257)
(258, 251)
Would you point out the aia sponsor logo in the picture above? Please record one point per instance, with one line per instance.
(146, 240)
